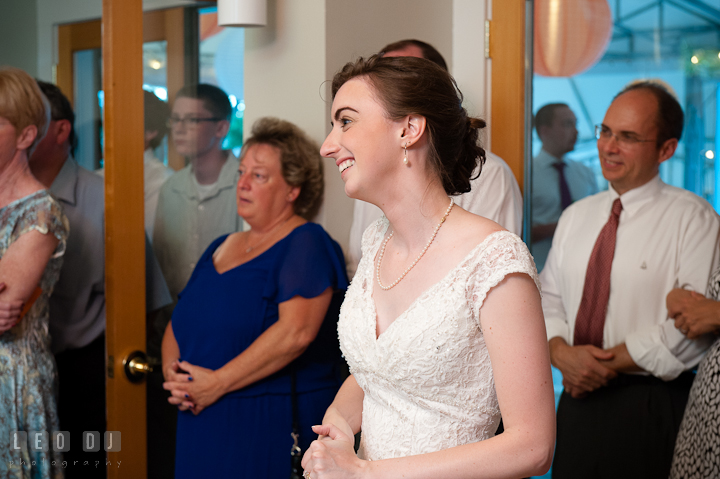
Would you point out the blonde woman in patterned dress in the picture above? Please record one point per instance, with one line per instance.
(442, 325)
(33, 231)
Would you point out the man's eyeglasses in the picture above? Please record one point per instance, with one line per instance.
(188, 122)
(624, 138)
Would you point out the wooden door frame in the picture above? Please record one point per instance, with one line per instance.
(510, 52)
(124, 230)
(73, 38)
(507, 113)
(120, 33)
(169, 24)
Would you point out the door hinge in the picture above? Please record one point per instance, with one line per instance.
(487, 38)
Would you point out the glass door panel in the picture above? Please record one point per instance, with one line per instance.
(170, 58)
(674, 43)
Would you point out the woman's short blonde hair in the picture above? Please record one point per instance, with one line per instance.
(300, 161)
(22, 103)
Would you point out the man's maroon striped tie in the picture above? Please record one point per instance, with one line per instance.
(590, 319)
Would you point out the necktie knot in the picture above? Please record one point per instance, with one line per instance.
(617, 207)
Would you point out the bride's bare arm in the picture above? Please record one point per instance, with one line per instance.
(514, 331)
(345, 412)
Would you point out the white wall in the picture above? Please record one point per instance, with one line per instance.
(469, 64)
(304, 44)
(51, 13)
(362, 28)
(18, 34)
(285, 65)
(284, 73)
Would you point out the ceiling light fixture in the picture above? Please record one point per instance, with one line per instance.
(242, 13)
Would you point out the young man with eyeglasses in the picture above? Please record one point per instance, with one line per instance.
(557, 181)
(197, 204)
(614, 258)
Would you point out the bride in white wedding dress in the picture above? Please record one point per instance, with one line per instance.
(442, 325)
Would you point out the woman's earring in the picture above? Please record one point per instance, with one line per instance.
(405, 160)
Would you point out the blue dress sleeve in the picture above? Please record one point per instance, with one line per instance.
(310, 262)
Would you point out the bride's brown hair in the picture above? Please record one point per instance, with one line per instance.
(408, 85)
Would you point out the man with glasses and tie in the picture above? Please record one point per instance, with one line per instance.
(197, 204)
(557, 181)
(614, 258)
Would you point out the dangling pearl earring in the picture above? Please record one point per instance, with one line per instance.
(405, 160)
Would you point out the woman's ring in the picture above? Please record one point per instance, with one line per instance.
(306, 475)
(684, 331)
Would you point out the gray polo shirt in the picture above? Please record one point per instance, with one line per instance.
(77, 305)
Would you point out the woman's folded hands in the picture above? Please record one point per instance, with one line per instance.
(192, 387)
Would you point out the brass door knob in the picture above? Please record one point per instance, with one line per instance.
(136, 366)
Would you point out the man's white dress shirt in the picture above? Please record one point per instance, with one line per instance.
(667, 238)
(494, 195)
(546, 203)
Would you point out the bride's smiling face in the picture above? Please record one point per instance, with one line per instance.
(364, 143)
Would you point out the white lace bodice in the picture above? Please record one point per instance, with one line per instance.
(427, 379)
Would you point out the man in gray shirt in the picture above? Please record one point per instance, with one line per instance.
(77, 305)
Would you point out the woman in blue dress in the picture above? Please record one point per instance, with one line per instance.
(260, 307)
(33, 231)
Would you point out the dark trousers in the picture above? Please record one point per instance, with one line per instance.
(81, 406)
(161, 415)
(624, 430)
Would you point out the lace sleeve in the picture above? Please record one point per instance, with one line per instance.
(504, 254)
(373, 234)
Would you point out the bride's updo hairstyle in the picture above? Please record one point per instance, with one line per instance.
(416, 86)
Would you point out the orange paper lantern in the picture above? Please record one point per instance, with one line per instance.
(209, 25)
(570, 35)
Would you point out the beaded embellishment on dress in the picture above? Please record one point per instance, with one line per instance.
(427, 378)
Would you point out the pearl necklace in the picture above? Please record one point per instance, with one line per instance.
(422, 253)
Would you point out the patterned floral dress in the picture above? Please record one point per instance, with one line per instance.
(697, 449)
(27, 368)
